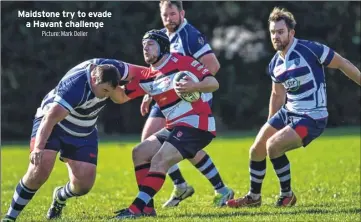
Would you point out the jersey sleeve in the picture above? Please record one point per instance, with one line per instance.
(122, 67)
(195, 67)
(70, 93)
(198, 45)
(133, 89)
(323, 53)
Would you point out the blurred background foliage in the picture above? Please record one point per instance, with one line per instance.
(238, 32)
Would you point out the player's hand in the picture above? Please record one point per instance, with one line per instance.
(144, 107)
(36, 156)
(186, 85)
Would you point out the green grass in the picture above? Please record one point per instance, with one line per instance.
(325, 178)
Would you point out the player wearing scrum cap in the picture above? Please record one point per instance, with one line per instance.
(189, 126)
(186, 40)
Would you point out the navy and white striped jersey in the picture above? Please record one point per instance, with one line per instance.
(74, 93)
(189, 41)
(302, 73)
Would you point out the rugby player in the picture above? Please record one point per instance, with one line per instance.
(185, 40)
(298, 105)
(65, 122)
(189, 126)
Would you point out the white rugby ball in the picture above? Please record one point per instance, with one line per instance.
(189, 97)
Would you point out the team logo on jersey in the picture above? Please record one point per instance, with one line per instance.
(179, 134)
(297, 61)
(201, 40)
(292, 85)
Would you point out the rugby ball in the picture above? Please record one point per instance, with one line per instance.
(189, 97)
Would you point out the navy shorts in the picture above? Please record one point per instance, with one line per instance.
(83, 149)
(306, 127)
(187, 140)
(156, 112)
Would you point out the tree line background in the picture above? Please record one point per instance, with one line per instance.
(32, 65)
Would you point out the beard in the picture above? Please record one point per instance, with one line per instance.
(150, 59)
(281, 45)
(173, 26)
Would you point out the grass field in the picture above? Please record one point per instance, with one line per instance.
(326, 180)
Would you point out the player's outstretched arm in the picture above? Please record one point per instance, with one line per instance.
(134, 71)
(350, 70)
(277, 99)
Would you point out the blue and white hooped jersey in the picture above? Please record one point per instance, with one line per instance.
(74, 93)
(189, 41)
(302, 73)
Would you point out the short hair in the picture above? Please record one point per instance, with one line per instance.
(279, 14)
(107, 74)
(168, 3)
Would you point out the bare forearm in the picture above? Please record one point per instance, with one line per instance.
(275, 104)
(351, 71)
(207, 85)
(43, 133)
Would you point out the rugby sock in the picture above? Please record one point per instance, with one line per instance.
(141, 172)
(283, 171)
(257, 171)
(150, 186)
(209, 170)
(21, 198)
(65, 193)
(176, 176)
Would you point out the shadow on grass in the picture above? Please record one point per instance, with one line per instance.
(297, 210)
(239, 212)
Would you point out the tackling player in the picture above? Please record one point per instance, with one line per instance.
(65, 122)
(297, 72)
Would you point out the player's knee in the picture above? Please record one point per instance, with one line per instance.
(271, 147)
(159, 164)
(37, 175)
(258, 151)
(137, 153)
(198, 157)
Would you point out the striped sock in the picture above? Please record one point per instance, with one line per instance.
(282, 167)
(150, 186)
(209, 170)
(21, 198)
(177, 177)
(141, 172)
(65, 193)
(257, 171)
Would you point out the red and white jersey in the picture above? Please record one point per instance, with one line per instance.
(159, 84)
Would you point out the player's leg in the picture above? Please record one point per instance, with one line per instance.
(300, 132)
(172, 151)
(80, 155)
(155, 122)
(203, 162)
(257, 163)
(142, 155)
(35, 176)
